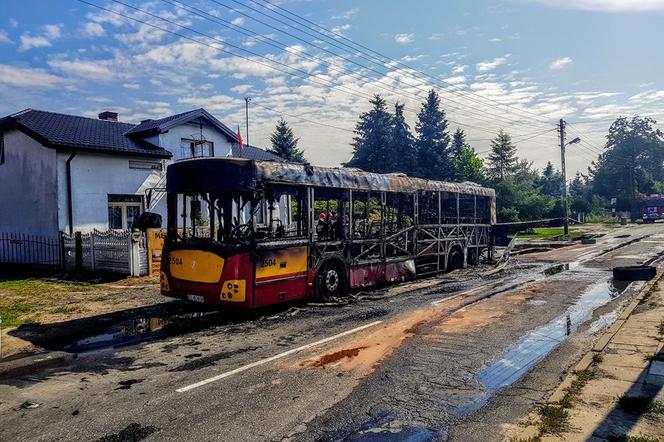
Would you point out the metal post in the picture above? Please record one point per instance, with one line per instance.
(78, 252)
(564, 190)
(246, 115)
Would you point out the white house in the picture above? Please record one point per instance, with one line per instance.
(69, 173)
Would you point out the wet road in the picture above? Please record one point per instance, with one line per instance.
(453, 358)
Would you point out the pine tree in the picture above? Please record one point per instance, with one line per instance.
(433, 140)
(502, 159)
(373, 133)
(403, 156)
(458, 143)
(284, 143)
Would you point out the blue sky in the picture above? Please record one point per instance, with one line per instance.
(519, 65)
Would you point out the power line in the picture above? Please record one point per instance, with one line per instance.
(275, 43)
(305, 75)
(344, 38)
(334, 44)
(302, 118)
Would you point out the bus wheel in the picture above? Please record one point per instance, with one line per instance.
(330, 282)
(455, 261)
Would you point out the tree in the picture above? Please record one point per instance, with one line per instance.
(468, 166)
(372, 136)
(403, 156)
(631, 163)
(433, 140)
(458, 143)
(502, 159)
(284, 143)
(551, 181)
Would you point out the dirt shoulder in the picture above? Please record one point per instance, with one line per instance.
(617, 389)
(49, 301)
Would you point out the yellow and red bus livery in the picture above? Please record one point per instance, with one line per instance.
(249, 233)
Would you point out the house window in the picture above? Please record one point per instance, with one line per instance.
(145, 165)
(124, 210)
(196, 148)
(2, 149)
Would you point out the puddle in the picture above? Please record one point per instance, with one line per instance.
(534, 346)
(133, 331)
(390, 429)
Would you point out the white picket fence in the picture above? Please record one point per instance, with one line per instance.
(117, 251)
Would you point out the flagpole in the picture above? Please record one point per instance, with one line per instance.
(246, 114)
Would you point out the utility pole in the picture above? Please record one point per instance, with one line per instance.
(246, 114)
(562, 162)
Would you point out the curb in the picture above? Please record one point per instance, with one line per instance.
(21, 366)
(599, 346)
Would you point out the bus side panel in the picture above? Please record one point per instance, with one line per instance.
(400, 271)
(367, 275)
(281, 275)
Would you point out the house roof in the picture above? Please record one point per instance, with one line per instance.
(73, 132)
(164, 124)
(81, 133)
(254, 153)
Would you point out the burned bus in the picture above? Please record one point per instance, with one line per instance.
(248, 233)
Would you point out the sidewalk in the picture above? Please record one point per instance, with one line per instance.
(616, 392)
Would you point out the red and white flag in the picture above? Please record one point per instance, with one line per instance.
(239, 138)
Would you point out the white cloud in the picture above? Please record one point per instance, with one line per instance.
(238, 21)
(92, 29)
(48, 34)
(459, 69)
(4, 38)
(560, 63)
(13, 22)
(53, 32)
(605, 5)
(455, 80)
(241, 88)
(495, 40)
(131, 85)
(341, 28)
(28, 77)
(93, 69)
(404, 39)
(347, 15)
(490, 65)
(28, 42)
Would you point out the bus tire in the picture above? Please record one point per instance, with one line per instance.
(330, 282)
(634, 273)
(455, 260)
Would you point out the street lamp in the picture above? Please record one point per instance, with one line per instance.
(576, 140)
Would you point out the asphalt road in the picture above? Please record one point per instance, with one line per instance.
(451, 358)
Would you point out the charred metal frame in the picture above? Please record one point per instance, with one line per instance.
(428, 244)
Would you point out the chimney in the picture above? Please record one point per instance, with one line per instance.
(108, 116)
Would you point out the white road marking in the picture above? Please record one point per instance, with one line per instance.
(275, 357)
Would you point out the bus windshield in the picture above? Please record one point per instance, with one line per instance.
(235, 217)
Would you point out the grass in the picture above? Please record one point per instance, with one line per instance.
(553, 419)
(660, 328)
(575, 388)
(16, 314)
(548, 233)
(65, 310)
(640, 404)
(628, 438)
(598, 358)
(654, 357)
(32, 300)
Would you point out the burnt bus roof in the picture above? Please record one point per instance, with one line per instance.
(224, 174)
